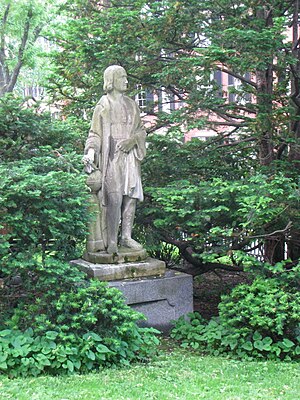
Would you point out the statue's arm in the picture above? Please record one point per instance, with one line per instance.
(137, 140)
(93, 143)
(140, 136)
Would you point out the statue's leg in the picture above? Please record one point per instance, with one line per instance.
(128, 213)
(113, 216)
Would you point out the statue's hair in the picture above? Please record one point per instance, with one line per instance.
(109, 74)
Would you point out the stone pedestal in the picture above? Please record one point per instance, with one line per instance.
(128, 270)
(161, 295)
(161, 299)
(124, 255)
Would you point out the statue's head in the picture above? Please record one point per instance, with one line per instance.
(111, 75)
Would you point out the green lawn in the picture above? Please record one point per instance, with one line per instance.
(175, 374)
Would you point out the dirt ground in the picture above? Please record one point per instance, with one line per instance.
(209, 287)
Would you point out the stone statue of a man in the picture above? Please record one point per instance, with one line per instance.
(114, 150)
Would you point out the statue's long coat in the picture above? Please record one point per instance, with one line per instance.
(99, 140)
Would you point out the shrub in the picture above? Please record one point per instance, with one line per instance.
(261, 320)
(25, 353)
(63, 322)
(24, 130)
(52, 318)
(270, 305)
(43, 195)
(156, 248)
(43, 206)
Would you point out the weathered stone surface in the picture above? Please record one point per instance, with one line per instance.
(115, 147)
(129, 270)
(124, 255)
(160, 299)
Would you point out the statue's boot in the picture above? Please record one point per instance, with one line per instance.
(112, 248)
(131, 243)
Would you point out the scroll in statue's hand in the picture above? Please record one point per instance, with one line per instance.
(126, 145)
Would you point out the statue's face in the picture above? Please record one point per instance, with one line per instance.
(120, 81)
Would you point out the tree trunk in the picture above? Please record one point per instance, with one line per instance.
(274, 249)
(9, 75)
(294, 153)
(293, 242)
(264, 80)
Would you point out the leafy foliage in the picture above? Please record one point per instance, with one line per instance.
(26, 354)
(22, 23)
(177, 47)
(26, 129)
(52, 318)
(260, 320)
(180, 48)
(58, 321)
(43, 196)
(213, 206)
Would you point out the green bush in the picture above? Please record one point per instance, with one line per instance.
(43, 196)
(270, 305)
(52, 318)
(24, 130)
(63, 322)
(42, 206)
(25, 353)
(261, 320)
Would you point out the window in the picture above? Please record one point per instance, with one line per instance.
(234, 86)
(166, 100)
(141, 98)
(231, 88)
(36, 92)
(218, 80)
(144, 98)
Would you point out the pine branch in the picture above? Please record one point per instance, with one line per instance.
(196, 267)
(272, 234)
(236, 143)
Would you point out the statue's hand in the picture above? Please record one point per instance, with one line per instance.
(126, 145)
(89, 157)
(86, 159)
(88, 163)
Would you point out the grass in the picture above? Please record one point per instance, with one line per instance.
(174, 374)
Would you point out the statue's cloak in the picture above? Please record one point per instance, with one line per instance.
(99, 139)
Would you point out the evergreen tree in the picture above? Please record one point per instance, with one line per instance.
(238, 190)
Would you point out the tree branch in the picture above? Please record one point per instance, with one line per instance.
(236, 143)
(176, 93)
(21, 51)
(236, 75)
(237, 107)
(3, 24)
(4, 73)
(196, 267)
(278, 232)
(225, 123)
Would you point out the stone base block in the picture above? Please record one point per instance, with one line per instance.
(160, 299)
(130, 270)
